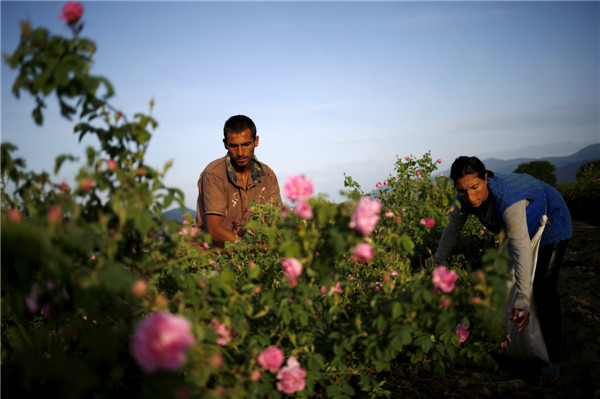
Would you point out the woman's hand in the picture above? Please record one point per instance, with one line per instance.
(522, 317)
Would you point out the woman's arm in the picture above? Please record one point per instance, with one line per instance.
(450, 235)
(515, 219)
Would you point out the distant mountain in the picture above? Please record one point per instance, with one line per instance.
(566, 167)
(177, 215)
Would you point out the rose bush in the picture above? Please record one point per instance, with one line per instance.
(98, 261)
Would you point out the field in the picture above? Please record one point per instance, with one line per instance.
(579, 288)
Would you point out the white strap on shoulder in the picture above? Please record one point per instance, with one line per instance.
(535, 245)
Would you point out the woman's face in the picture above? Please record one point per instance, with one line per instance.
(472, 189)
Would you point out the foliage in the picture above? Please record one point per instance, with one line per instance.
(83, 266)
(542, 170)
(583, 195)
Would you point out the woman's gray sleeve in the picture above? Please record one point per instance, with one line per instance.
(450, 235)
(515, 219)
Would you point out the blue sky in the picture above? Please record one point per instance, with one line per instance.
(334, 87)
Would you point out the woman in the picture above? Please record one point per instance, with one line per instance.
(516, 203)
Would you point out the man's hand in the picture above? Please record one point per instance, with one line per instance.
(522, 317)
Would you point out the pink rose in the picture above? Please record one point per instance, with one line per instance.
(389, 214)
(463, 332)
(14, 215)
(445, 303)
(255, 375)
(336, 289)
(291, 377)
(161, 341)
(139, 288)
(55, 215)
(304, 210)
(323, 289)
(479, 274)
(444, 279)
(86, 183)
(362, 252)
(439, 160)
(429, 222)
(365, 215)
(298, 188)
(292, 268)
(71, 12)
(112, 164)
(271, 358)
(225, 332)
(378, 184)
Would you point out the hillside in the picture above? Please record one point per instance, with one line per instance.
(566, 167)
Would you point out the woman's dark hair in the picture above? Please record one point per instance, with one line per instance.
(463, 166)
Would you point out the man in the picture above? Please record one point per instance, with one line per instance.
(228, 185)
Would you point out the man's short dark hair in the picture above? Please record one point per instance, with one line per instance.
(237, 124)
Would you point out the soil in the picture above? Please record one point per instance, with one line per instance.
(579, 289)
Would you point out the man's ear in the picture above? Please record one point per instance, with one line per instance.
(256, 141)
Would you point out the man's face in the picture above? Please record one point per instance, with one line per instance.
(241, 148)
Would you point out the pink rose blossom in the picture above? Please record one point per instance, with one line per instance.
(291, 377)
(407, 158)
(112, 164)
(378, 286)
(304, 210)
(216, 361)
(255, 375)
(446, 303)
(139, 288)
(55, 215)
(336, 289)
(298, 188)
(417, 172)
(389, 214)
(365, 215)
(363, 252)
(385, 182)
(479, 274)
(161, 342)
(292, 268)
(378, 184)
(86, 183)
(64, 186)
(429, 222)
(225, 332)
(271, 358)
(323, 289)
(444, 279)
(463, 333)
(71, 12)
(14, 215)
(439, 160)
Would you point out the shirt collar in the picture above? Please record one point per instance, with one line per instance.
(256, 170)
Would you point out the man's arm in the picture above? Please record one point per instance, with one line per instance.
(218, 233)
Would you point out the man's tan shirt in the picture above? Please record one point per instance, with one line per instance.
(220, 194)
